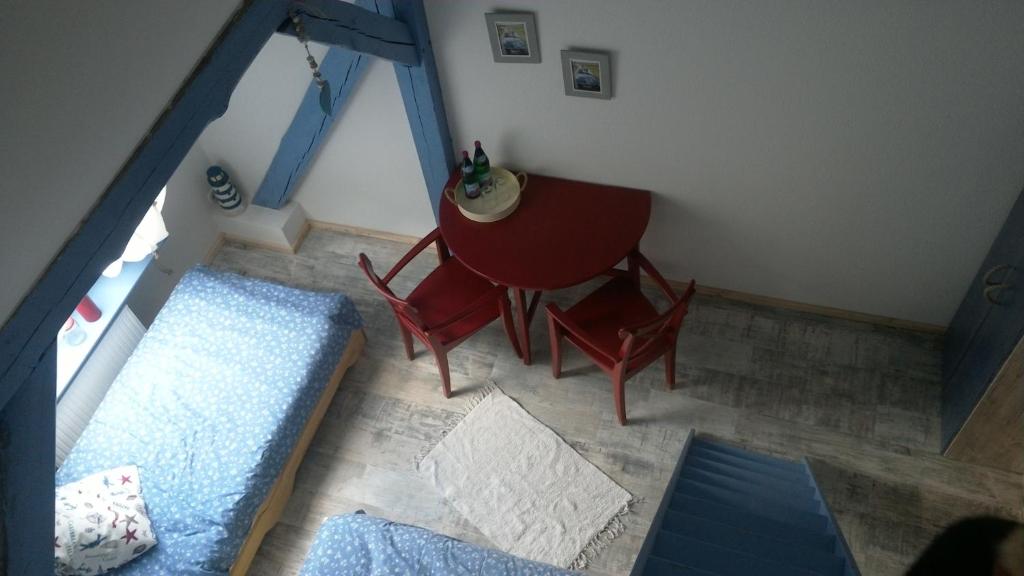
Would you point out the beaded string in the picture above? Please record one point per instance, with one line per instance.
(325, 89)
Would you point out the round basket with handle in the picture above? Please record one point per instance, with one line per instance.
(496, 201)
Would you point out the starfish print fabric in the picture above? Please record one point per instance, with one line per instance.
(100, 523)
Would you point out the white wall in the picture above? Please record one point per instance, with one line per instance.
(860, 155)
(83, 83)
(367, 172)
(192, 233)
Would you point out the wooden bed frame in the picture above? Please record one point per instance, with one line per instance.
(270, 512)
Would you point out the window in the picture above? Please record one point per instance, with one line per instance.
(94, 315)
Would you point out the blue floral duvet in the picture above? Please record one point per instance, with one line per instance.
(209, 407)
(361, 545)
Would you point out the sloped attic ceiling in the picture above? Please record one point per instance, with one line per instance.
(92, 79)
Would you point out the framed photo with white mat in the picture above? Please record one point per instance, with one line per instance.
(587, 74)
(513, 37)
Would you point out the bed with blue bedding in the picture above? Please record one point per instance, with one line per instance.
(216, 407)
(361, 545)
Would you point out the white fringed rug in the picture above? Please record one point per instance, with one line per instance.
(523, 487)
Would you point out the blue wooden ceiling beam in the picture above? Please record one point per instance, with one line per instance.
(33, 326)
(26, 424)
(342, 69)
(354, 27)
(424, 104)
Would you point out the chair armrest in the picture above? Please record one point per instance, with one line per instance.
(489, 297)
(643, 328)
(434, 236)
(668, 320)
(651, 330)
(562, 319)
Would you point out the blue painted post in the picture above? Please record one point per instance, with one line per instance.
(342, 69)
(424, 105)
(27, 447)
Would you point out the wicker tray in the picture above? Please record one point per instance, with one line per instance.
(495, 202)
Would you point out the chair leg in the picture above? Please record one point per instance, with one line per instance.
(522, 311)
(442, 367)
(407, 340)
(619, 391)
(670, 369)
(555, 333)
(510, 327)
(633, 267)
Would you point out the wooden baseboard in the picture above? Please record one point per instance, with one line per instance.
(817, 309)
(290, 249)
(306, 227)
(708, 291)
(367, 232)
(218, 243)
(257, 244)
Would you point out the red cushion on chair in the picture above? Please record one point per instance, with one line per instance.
(446, 291)
(616, 305)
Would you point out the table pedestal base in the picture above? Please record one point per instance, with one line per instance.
(524, 316)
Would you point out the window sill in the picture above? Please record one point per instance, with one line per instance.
(109, 294)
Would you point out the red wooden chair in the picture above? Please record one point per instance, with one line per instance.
(451, 304)
(619, 328)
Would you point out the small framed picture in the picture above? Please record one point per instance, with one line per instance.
(587, 74)
(513, 36)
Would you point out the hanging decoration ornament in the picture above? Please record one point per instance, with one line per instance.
(325, 87)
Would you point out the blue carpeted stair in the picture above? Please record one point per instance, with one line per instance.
(731, 512)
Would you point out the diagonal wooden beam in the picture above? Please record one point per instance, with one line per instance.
(424, 104)
(355, 27)
(342, 69)
(29, 438)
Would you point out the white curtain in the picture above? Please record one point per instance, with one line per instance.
(144, 241)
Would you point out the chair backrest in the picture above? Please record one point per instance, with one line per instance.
(680, 308)
(660, 332)
(400, 306)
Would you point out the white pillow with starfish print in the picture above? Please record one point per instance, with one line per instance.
(100, 523)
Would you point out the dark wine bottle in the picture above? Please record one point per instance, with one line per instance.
(482, 166)
(469, 180)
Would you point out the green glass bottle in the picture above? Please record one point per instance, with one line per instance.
(482, 166)
(469, 180)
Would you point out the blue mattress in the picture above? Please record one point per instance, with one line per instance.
(361, 545)
(210, 405)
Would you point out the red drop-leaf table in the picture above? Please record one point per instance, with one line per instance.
(564, 233)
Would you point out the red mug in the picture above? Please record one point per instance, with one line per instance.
(88, 310)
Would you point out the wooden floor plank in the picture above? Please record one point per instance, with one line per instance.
(861, 401)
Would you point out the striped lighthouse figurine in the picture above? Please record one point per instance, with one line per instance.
(224, 192)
